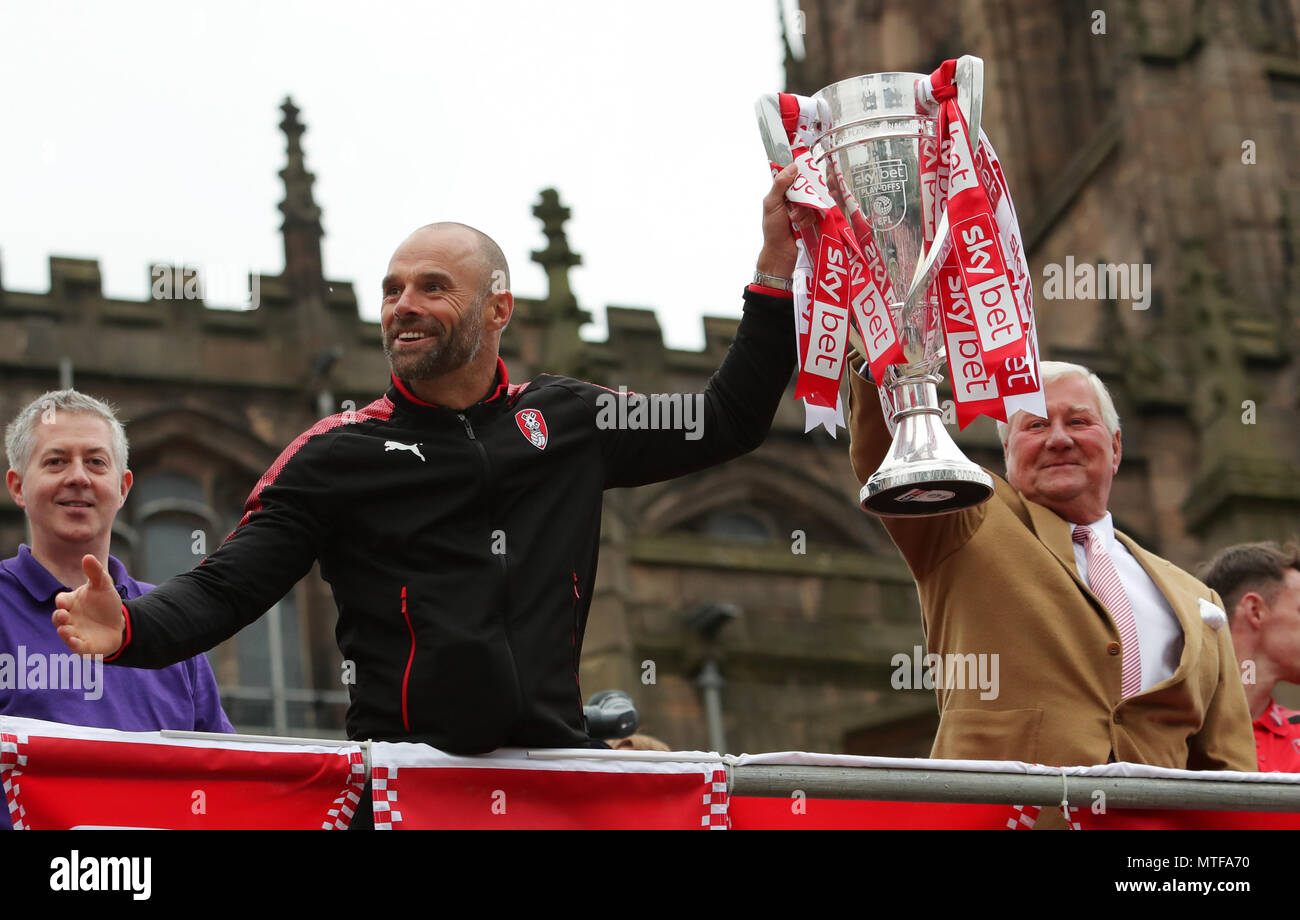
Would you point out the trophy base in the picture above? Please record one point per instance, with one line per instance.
(925, 490)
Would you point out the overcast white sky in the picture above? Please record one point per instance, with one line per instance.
(143, 132)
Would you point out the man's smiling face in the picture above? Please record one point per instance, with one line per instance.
(1067, 461)
(72, 488)
(434, 295)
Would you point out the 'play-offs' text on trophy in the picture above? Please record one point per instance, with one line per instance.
(871, 141)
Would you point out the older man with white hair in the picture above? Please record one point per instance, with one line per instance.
(1105, 652)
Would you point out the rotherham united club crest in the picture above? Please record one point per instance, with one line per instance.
(533, 426)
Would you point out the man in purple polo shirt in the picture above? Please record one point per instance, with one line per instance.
(67, 471)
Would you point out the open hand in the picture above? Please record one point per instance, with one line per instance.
(90, 618)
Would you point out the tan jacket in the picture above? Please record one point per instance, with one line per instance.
(1001, 579)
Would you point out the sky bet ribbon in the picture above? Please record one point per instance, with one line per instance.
(984, 285)
(843, 285)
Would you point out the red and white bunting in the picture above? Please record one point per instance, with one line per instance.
(417, 787)
(63, 776)
(59, 777)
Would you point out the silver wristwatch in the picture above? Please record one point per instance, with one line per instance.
(774, 281)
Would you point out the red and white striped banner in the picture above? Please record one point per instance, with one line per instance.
(58, 777)
(417, 787)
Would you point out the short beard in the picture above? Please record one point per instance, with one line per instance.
(450, 354)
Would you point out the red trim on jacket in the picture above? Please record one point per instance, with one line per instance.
(126, 615)
(503, 386)
(406, 677)
(576, 599)
(770, 292)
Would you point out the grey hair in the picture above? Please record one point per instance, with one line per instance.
(1055, 370)
(20, 435)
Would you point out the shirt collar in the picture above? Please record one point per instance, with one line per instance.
(1104, 529)
(42, 586)
(500, 388)
(1273, 720)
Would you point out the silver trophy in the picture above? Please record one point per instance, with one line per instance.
(869, 144)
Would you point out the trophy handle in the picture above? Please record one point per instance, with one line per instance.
(772, 127)
(970, 99)
(970, 93)
(768, 110)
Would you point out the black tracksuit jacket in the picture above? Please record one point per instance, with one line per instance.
(460, 550)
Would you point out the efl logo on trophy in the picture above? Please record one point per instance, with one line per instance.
(884, 185)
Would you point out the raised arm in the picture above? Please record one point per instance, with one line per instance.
(868, 435)
(734, 412)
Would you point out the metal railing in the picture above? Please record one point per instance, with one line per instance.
(909, 785)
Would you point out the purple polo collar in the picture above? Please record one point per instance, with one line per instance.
(42, 586)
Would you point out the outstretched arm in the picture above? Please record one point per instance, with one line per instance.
(274, 545)
(734, 413)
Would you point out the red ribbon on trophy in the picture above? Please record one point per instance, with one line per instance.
(844, 285)
(984, 285)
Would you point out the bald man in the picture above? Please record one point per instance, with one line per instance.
(457, 517)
